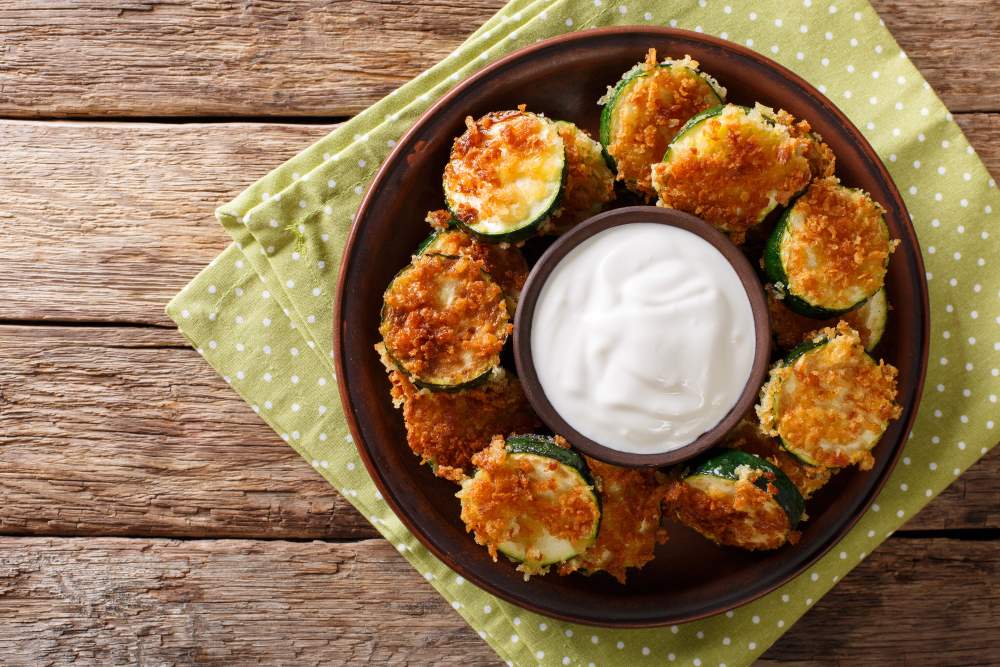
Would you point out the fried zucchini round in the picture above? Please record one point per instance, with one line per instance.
(646, 108)
(533, 500)
(505, 175)
(630, 521)
(731, 166)
(789, 328)
(738, 499)
(444, 322)
(445, 429)
(590, 185)
(828, 401)
(830, 250)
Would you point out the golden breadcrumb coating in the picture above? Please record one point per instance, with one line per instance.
(831, 403)
(508, 500)
(733, 168)
(590, 185)
(790, 328)
(446, 428)
(439, 313)
(748, 438)
(836, 245)
(630, 522)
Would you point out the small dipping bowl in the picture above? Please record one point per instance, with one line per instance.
(525, 316)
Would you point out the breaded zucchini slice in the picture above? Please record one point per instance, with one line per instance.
(505, 175)
(747, 437)
(445, 428)
(646, 108)
(504, 263)
(630, 521)
(731, 166)
(590, 184)
(738, 499)
(829, 251)
(444, 322)
(533, 500)
(828, 401)
(789, 328)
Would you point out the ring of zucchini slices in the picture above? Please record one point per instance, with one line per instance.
(830, 250)
(444, 322)
(505, 175)
(733, 165)
(646, 108)
(737, 499)
(532, 499)
(828, 401)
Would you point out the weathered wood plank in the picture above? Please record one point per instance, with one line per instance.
(125, 431)
(310, 57)
(129, 432)
(105, 222)
(220, 602)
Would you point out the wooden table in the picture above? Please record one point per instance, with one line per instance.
(148, 517)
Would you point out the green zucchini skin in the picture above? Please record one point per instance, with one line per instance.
(608, 109)
(724, 464)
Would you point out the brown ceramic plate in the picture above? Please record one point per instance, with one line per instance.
(563, 77)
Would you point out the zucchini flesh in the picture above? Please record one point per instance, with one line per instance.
(828, 401)
(829, 251)
(651, 95)
(531, 500)
(732, 166)
(444, 322)
(505, 175)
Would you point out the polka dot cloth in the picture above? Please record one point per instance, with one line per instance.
(261, 312)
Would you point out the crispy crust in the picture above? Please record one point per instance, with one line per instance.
(447, 428)
(505, 500)
(748, 519)
(660, 100)
(790, 328)
(431, 336)
(748, 438)
(836, 247)
(439, 220)
(630, 522)
(590, 185)
(839, 396)
(490, 162)
(504, 263)
(732, 167)
(822, 161)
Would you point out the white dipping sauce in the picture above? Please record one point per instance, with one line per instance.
(643, 337)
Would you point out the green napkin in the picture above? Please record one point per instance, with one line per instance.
(261, 312)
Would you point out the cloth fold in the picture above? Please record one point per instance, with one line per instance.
(261, 313)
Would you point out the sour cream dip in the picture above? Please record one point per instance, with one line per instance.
(643, 337)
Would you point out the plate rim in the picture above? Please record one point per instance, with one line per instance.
(396, 154)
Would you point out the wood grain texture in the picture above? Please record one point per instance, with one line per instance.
(107, 221)
(314, 58)
(129, 221)
(223, 602)
(127, 431)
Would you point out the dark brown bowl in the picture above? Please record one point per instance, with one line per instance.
(690, 577)
(543, 269)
